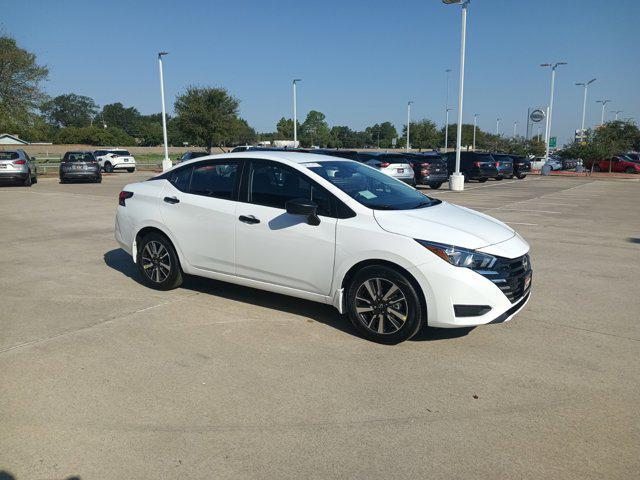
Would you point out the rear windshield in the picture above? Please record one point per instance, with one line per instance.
(390, 159)
(122, 153)
(484, 158)
(8, 155)
(78, 157)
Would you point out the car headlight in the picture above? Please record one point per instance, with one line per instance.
(460, 257)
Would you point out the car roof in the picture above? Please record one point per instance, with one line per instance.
(277, 155)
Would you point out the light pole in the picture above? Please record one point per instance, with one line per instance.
(603, 102)
(166, 163)
(408, 122)
(475, 125)
(585, 86)
(446, 113)
(498, 126)
(295, 114)
(515, 128)
(456, 180)
(446, 130)
(616, 112)
(553, 66)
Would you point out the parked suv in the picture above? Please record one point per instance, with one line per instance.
(17, 167)
(521, 166)
(393, 164)
(619, 163)
(429, 169)
(504, 165)
(328, 230)
(80, 165)
(115, 159)
(473, 165)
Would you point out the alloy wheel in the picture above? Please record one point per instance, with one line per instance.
(381, 306)
(156, 261)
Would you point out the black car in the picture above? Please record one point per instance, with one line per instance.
(80, 165)
(504, 165)
(473, 165)
(191, 155)
(521, 166)
(429, 168)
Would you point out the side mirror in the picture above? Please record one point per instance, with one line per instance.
(302, 206)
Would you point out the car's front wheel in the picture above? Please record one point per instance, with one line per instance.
(631, 170)
(108, 168)
(520, 176)
(435, 186)
(383, 305)
(158, 262)
(482, 180)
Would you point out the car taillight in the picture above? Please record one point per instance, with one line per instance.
(497, 164)
(123, 196)
(19, 162)
(384, 164)
(477, 164)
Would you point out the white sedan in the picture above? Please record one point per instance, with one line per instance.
(329, 230)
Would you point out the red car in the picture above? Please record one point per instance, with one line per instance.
(619, 163)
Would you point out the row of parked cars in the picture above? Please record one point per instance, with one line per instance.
(430, 168)
(89, 165)
(626, 163)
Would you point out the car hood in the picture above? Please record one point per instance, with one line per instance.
(446, 223)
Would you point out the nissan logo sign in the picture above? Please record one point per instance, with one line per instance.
(537, 116)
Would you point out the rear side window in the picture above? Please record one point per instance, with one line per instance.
(214, 179)
(180, 178)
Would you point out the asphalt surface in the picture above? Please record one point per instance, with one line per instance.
(103, 378)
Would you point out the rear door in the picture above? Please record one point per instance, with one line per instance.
(279, 248)
(198, 206)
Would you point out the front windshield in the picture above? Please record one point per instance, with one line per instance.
(370, 187)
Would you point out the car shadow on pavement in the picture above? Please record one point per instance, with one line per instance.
(633, 240)
(121, 261)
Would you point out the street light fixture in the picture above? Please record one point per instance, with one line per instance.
(475, 124)
(585, 85)
(456, 180)
(603, 102)
(446, 113)
(295, 114)
(166, 162)
(408, 122)
(498, 125)
(553, 67)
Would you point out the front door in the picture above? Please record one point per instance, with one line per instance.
(276, 247)
(199, 208)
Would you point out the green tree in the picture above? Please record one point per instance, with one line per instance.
(315, 130)
(69, 110)
(117, 115)
(612, 138)
(284, 129)
(20, 93)
(94, 135)
(424, 134)
(381, 135)
(207, 116)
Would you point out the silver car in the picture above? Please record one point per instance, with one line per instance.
(17, 167)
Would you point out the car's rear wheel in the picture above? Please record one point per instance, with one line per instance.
(158, 262)
(482, 180)
(383, 305)
(131, 170)
(435, 186)
(27, 181)
(520, 176)
(630, 170)
(596, 168)
(498, 177)
(108, 167)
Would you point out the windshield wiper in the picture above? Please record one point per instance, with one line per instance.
(424, 204)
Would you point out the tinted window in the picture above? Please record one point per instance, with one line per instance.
(180, 178)
(272, 185)
(8, 155)
(371, 187)
(214, 179)
(78, 157)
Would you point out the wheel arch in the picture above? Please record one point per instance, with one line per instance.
(154, 229)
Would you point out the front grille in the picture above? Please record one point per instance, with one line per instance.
(509, 276)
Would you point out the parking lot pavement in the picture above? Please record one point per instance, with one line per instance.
(104, 378)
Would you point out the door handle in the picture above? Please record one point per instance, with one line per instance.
(171, 200)
(250, 219)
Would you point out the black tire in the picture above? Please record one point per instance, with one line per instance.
(498, 178)
(630, 170)
(406, 303)
(150, 260)
(35, 178)
(596, 168)
(62, 180)
(435, 186)
(108, 167)
(520, 176)
(98, 180)
(27, 181)
(131, 170)
(482, 180)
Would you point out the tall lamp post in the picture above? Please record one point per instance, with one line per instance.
(475, 125)
(616, 112)
(585, 86)
(446, 113)
(603, 102)
(456, 180)
(515, 128)
(295, 114)
(166, 162)
(553, 67)
(408, 122)
(498, 125)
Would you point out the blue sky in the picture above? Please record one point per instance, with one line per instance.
(360, 61)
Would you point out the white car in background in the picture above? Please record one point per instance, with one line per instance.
(115, 159)
(392, 164)
(330, 230)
